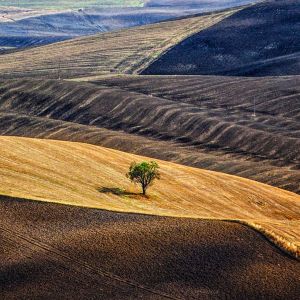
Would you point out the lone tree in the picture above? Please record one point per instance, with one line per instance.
(143, 173)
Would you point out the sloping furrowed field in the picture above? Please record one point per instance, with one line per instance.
(83, 175)
(205, 122)
(259, 40)
(82, 253)
(125, 51)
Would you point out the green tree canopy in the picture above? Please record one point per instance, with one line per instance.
(143, 173)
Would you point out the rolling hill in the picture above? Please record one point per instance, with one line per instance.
(260, 40)
(80, 253)
(199, 121)
(125, 51)
(253, 40)
(72, 120)
(77, 174)
(69, 4)
(21, 28)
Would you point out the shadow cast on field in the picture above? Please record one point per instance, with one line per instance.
(120, 192)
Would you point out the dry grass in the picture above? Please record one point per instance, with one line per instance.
(287, 239)
(73, 173)
(125, 51)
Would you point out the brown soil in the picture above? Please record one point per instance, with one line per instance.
(52, 251)
(259, 40)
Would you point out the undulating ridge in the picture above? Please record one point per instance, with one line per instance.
(125, 51)
(260, 40)
(216, 130)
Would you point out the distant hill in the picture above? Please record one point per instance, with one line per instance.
(21, 31)
(259, 40)
(123, 51)
(37, 25)
(215, 4)
(71, 4)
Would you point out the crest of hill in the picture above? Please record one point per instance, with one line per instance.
(260, 40)
(126, 51)
(200, 121)
(75, 174)
(21, 29)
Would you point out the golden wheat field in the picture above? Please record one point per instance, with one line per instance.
(75, 173)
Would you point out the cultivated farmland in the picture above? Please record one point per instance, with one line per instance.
(126, 51)
(75, 174)
(73, 117)
(259, 40)
(82, 253)
(205, 122)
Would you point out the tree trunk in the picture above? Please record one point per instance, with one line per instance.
(144, 190)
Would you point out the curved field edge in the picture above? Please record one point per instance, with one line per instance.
(210, 256)
(290, 248)
(125, 51)
(256, 41)
(156, 55)
(281, 242)
(54, 171)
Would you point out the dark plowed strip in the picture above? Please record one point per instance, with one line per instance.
(260, 40)
(62, 252)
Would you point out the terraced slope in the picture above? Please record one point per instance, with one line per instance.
(77, 253)
(125, 51)
(260, 40)
(204, 122)
(75, 174)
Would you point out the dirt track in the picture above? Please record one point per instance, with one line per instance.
(52, 250)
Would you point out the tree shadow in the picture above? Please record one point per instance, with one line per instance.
(119, 192)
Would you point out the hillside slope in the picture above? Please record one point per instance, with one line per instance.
(204, 122)
(260, 40)
(125, 51)
(83, 175)
(21, 28)
(68, 252)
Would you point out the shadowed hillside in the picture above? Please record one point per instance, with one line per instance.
(205, 122)
(21, 28)
(78, 253)
(259, 40)
(125, 51)
(76, 174)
